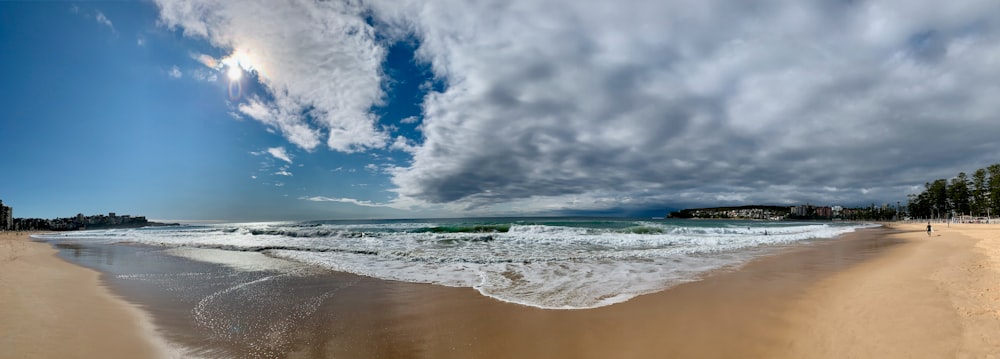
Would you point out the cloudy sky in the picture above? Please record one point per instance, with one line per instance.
(252, 110)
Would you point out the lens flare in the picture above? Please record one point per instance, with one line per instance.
(235, 90)
(235, 64)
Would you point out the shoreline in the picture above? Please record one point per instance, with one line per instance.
(882, 292)
(50, 308)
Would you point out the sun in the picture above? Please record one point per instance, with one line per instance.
(234, 73)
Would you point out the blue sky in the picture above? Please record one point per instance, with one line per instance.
(97, 121)
(273, 110)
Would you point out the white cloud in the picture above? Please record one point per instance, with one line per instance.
(204, 75)
(344, 200)
(206, 60)
(283, 173)
(175, 72)
(280, 153)
(559, 105)
(404, 144)
(103, 20)
(324, 82)
(296, 131)
(705, 102)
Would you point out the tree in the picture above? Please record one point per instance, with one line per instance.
(980, 192)
(920, 204)
(958, 193)
(938, 196)
(994, 188)
(978, 196)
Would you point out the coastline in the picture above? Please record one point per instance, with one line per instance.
(50, 308)
(883, 292)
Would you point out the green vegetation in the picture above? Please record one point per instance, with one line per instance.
(978, 196)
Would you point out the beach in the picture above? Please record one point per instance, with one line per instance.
(933, 296)
(53, 309)
(888, 292)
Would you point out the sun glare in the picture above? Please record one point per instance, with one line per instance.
(234, 73)
(238, 61)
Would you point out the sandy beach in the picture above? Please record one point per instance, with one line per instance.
(892, 292)
(53, 309)
(933, 296)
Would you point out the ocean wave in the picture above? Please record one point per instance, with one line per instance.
(543, 263)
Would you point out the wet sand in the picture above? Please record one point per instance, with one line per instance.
(888, 292)
(736, 313)
(53, 309)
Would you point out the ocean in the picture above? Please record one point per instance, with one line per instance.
(550, 263)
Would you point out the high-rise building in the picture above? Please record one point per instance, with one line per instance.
(6, 217)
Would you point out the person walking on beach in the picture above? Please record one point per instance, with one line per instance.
(928, 229)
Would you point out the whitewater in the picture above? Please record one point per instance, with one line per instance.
(552, 263)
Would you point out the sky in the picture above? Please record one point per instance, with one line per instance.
(303, 109)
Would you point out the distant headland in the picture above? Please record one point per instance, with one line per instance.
(802, 212)
(78, 222)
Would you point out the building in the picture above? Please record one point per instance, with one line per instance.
(6, 217)
(800, 211)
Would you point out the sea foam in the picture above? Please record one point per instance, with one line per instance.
(544, 263)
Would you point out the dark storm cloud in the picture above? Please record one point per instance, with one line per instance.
(659, 102)
(562, 105)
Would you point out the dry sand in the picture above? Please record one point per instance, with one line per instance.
(884, 293)
(934, 296)
(50, 308)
